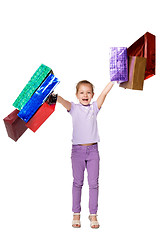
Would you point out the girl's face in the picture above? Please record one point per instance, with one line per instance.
(85, 94)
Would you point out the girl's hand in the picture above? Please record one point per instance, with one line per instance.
(52, 98)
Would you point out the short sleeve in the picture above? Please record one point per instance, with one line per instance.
(72, 108)
(95, 107)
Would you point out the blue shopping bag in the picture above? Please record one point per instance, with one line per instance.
(38, 98)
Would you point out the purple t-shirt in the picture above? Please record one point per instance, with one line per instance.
(84, 119)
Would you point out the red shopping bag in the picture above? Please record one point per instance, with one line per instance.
(40, 116)
(15, 126)
(145, 47)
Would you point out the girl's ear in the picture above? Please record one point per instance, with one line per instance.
(76, 96)
(92, 95)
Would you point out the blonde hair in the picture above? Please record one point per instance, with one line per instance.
(84, 82)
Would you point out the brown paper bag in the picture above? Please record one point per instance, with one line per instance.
(136, 71)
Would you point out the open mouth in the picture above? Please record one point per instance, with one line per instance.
(85, 99)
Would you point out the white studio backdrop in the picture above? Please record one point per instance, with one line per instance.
(73, 38)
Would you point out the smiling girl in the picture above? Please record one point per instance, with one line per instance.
(85, 147)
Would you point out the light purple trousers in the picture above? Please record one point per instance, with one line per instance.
(85, 157)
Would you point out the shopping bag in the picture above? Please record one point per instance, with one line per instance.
(137, 66)
(145, 46)
(15, 126)
(40, 116)
(118, 64)
(38, 98)
(36, 80)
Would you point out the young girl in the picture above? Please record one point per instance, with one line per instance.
(85, 147)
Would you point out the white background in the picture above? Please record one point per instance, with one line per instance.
(73, 38)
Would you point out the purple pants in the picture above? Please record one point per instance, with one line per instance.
(85, 157)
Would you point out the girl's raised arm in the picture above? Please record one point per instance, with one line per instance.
(104, 93)
(64, 102)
